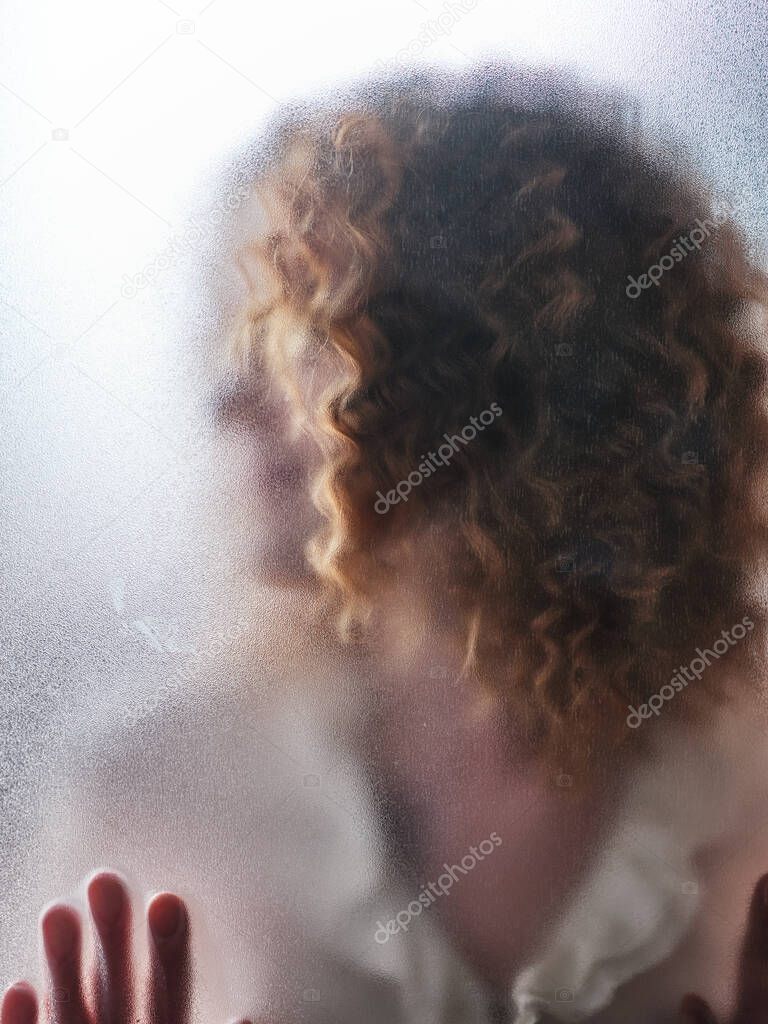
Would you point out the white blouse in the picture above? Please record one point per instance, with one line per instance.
(267, 825)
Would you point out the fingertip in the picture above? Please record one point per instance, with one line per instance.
(20, 990)
(167, 917)
(168, 928)
(761, 893)
(19, 1005)
(756, 935)
(60, 926)
(107, 897)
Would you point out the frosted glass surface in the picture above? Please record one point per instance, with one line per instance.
(133, 685)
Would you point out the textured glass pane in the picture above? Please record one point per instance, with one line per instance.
(172, 709)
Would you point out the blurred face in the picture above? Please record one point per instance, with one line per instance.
(275, 461)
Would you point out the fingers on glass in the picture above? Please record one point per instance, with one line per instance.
(752, 996)
(110, 909)
(19, 1005)
(62, 942)
(168, 925)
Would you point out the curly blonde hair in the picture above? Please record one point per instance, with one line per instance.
(447, 243)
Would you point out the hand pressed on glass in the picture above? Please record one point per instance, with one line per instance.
(112, 994)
